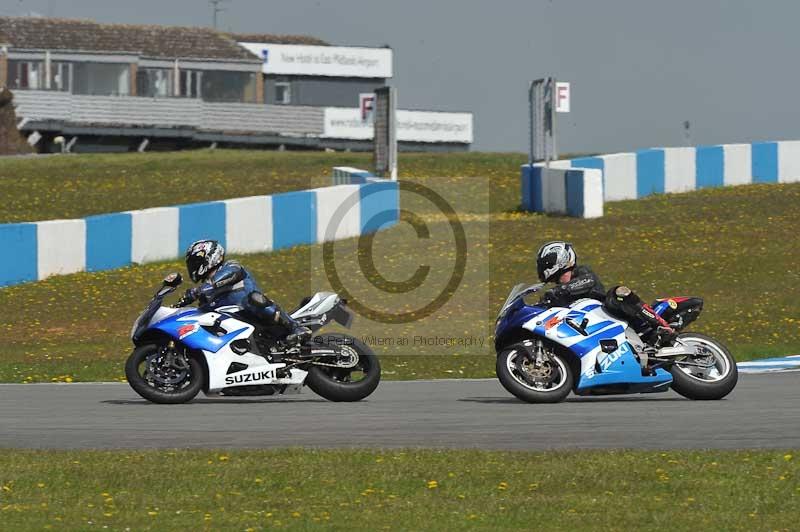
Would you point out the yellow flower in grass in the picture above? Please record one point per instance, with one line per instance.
(432, 484)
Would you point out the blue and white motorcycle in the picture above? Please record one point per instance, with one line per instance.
(180, 351)
(544, 353)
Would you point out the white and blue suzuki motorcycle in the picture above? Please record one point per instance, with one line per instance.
(181, 351)
(544, 353)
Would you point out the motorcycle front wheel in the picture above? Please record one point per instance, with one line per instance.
(354, 382)
(549, 382)
(162, 379)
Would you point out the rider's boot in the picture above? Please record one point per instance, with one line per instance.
(298, 333)
(658, 330)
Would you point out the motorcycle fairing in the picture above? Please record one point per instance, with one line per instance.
(515, 319)
(598, 369)
(620, 367)
(175, 325)
(319, 304)
(187, 326)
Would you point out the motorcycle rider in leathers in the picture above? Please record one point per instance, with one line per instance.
(557, 262)
(225, 283)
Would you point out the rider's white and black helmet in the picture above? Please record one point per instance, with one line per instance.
(202, 257)
(554, 259)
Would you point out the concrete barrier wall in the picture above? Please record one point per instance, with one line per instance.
(669, 170)
(349, 175)
(38, 250)
(375, 193)
(575, 193)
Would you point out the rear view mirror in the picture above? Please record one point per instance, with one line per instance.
(173, 279)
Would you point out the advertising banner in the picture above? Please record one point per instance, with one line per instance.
(340, 61)
(412, 126)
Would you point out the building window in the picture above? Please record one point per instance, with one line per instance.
(283, 92)
(101, 79)
(154, 82)
(226, 86)
(26, 74)
(61, 76)
(33, 75)
(191, 83)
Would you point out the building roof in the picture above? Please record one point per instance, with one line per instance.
(167, 42)
(278, 39)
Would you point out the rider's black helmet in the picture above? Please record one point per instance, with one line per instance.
(554, 259)
(202, 257)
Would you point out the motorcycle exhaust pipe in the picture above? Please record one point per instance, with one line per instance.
(675, 351)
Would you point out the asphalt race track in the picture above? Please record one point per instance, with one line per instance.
(763, 411)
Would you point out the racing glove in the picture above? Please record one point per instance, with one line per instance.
(554, 294)
(189, 297)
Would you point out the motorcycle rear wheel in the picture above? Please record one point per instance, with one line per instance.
(192, 383)
(511, 364)
(334, 384)
(711, 384)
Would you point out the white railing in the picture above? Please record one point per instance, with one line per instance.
(239, 118)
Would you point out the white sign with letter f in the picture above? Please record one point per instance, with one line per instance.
(562, 97)
(366, 104)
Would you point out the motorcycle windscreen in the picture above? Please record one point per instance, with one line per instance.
(519, 291)
(141, 323)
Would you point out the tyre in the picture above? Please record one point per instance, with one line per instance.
(551, 382)
(151, 376)
(337, 384)
(712, 383)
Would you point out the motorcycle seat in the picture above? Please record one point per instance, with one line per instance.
(687, 307)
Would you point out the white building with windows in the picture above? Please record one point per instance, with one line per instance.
(115, 86)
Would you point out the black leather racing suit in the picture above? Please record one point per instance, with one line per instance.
(620, 301)
(232, 284)
(584, 284)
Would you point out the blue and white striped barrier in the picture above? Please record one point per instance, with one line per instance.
(347, 175)
(768, 365)
(635, 175)
(38, 250)
(577, 192)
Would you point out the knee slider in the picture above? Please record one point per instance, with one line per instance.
(626, 296)
(622, 292)
(257, 299)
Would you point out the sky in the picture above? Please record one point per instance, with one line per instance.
(639, 68)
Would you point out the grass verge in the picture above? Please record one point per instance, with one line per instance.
(399, 490)
(74, 186)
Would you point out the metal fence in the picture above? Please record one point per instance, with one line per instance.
(169, 113)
